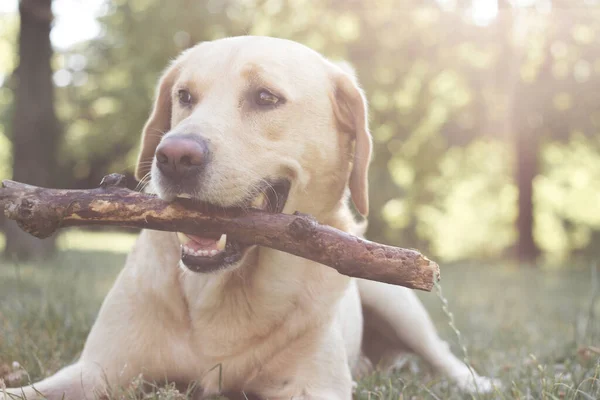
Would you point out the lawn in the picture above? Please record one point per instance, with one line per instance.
(538, 331)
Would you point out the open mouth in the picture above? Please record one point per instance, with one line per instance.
(209, 254)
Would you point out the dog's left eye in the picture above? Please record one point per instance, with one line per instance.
(185, 97)
(265, 98)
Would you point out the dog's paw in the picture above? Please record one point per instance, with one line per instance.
(473, 383)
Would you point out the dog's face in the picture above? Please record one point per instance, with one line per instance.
(255, 122)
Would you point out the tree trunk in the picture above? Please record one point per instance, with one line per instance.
(522, 128)
(36, 129)
(526, 169)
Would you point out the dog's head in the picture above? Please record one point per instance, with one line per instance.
(255, 122)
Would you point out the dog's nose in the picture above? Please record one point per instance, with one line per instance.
(180, 156)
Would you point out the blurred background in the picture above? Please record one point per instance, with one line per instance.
(485, 113)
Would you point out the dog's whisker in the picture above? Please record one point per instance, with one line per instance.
(143, 183)
(144, 162)
(156, 131)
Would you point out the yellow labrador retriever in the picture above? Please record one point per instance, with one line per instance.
(266, 123)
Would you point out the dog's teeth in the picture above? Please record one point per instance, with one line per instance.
(259, 201)
(184, 196)
(204, 253)
(222, 242)
(183, 239)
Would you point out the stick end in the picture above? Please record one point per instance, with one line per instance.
(437, 275)
(432, 275)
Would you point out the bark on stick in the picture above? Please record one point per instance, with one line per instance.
(41, 212)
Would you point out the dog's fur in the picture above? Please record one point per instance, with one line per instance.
(275, 325)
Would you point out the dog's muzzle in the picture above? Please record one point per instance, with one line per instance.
(209, 254)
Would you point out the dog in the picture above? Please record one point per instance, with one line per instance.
(270, 124)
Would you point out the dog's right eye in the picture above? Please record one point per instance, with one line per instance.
(265, 98)
(185, 97)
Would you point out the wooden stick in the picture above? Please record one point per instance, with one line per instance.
(41, 212)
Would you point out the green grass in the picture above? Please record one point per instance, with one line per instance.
(536, 330)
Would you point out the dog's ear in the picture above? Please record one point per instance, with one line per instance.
(350, 109)
(158, 123)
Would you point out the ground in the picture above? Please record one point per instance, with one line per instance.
(537, 330)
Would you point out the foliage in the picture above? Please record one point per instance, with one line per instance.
(8, 31)
(565, 194)
(474, 174)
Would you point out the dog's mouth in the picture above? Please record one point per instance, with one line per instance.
(209, 254)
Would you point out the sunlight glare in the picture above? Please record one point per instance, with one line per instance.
(8, 6)
(447, 5)
(75, 20)
(484, 12)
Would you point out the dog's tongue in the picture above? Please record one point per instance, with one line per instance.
(201, 243)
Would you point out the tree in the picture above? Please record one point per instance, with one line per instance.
(549, 56)
(35, 127)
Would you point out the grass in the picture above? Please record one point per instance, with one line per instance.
(538, 331)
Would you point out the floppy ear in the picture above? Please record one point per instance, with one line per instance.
(350, 109)
(158, 123)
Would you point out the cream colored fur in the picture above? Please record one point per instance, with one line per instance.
(278, 326)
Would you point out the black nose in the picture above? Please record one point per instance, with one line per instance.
(178, 157)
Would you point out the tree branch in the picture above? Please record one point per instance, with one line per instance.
(41, 212)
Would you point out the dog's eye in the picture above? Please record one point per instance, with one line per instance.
(185, 97)
(265, 98)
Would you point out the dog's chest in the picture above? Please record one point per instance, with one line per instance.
(233, 341)
(240, 325)
(228, 320)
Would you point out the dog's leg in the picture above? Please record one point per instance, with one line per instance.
(405, 324)
(134, 332)
(75, 382)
